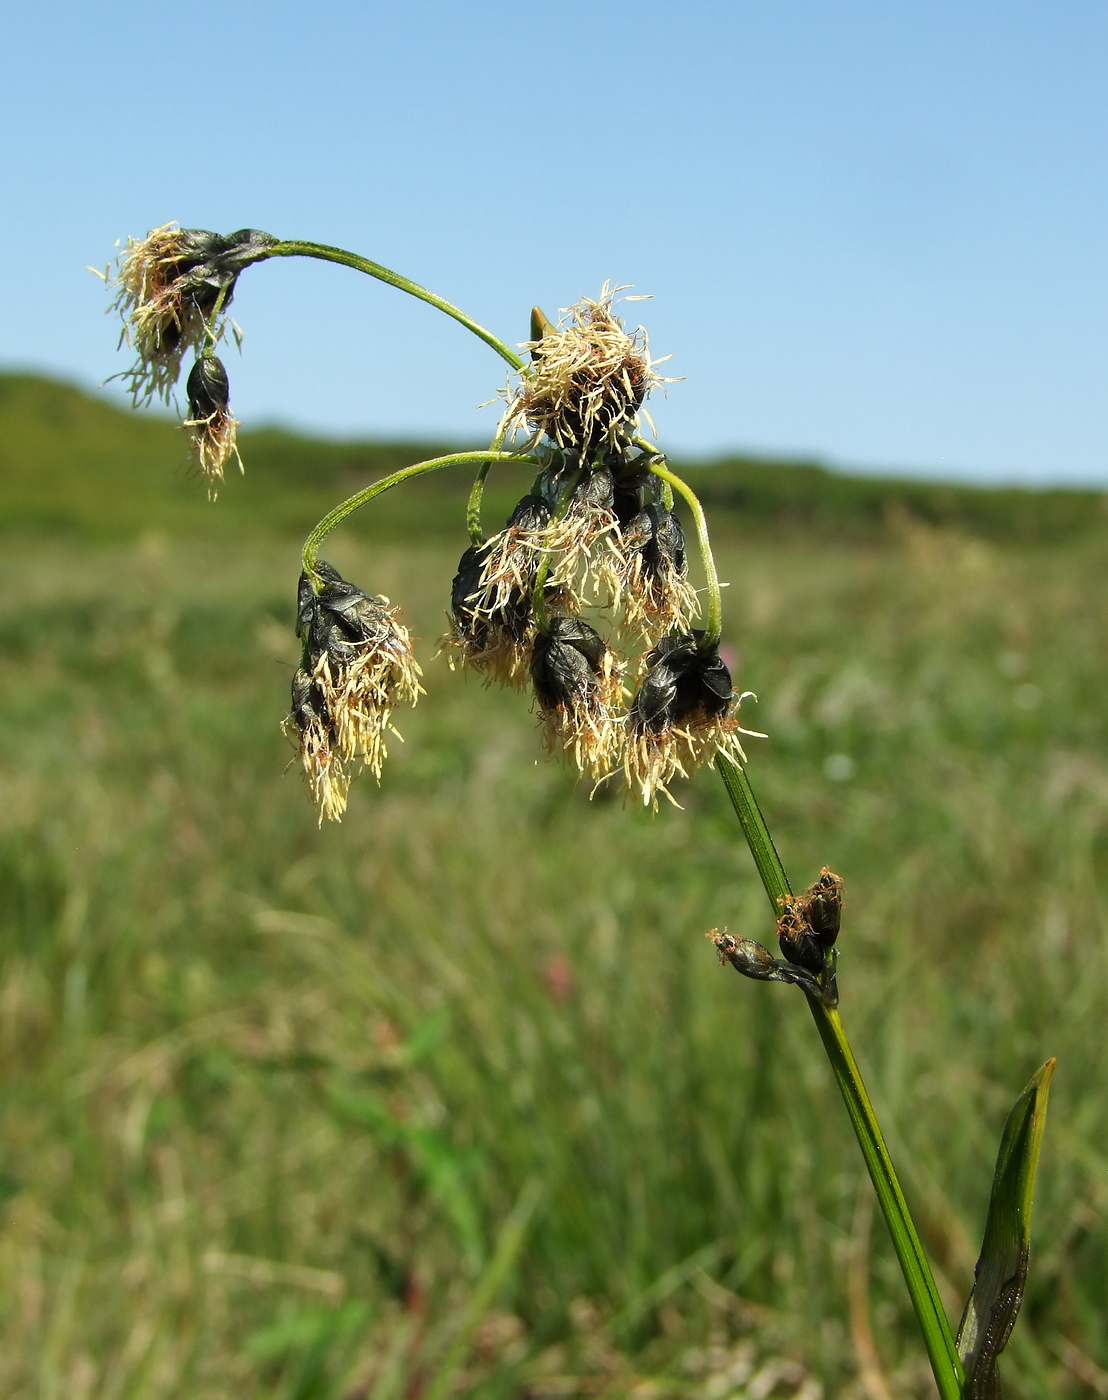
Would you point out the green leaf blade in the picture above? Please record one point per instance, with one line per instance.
(1001, 1273)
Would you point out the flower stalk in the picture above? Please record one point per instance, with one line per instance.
(369, 493)
(937, 1335)
(713, 627)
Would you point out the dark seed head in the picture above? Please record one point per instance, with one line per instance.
(595, 489)
(207, 387)
(631, 498)
(195, 248)
(308, 706)
(466, 585)
(799, 944)
(657, 534)
(823, 906)
(531, 513)
(681, 684)
(242, 247)
(745, 956)
(209, 263)
(667, 543)
(564, 659)
(339, 617)
(467, 590)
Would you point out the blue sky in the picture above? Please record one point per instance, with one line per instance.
(875, 232)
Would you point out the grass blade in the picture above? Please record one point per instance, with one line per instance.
(1001, 1272)
(508, 1244)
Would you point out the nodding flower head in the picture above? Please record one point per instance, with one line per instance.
(577, 680)
(587, 380)
(170, 285)
(356, 667)
(209, 424)
(652, 583)
(510, 560)
(682, 715)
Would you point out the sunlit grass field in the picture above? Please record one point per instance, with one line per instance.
(454, 1098)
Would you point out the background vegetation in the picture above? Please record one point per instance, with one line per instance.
(269, 1094)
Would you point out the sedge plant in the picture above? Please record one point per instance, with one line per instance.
(644, 705)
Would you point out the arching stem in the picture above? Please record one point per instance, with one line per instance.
(477, 490)
(369, 493)
(713, 625)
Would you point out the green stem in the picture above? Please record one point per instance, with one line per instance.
(363, 497)
(660, 457)
(713, 625)
(477, 490)
(757, 835)
(294, 248)
(473, 505)
(937, 1335)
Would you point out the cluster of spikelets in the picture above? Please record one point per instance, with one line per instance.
(173, 288)
(807, 930)
(595, 531)
(598, 537)
(356, 667)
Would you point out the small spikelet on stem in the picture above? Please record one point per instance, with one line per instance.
(509, 561)
(682, 716)
(584, 542)
(210, 424)
(491, 614)
(578, 688)
(357, 667)
(170, 286)
(494, 641)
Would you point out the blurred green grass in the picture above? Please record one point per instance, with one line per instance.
(268, 1093)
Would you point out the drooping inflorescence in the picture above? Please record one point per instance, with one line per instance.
(595, 533)
(682, 715)
(578, 690)
(597, 529)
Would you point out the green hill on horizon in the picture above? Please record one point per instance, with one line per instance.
(73, 460)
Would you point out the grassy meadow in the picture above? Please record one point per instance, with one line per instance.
(453, 1098)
